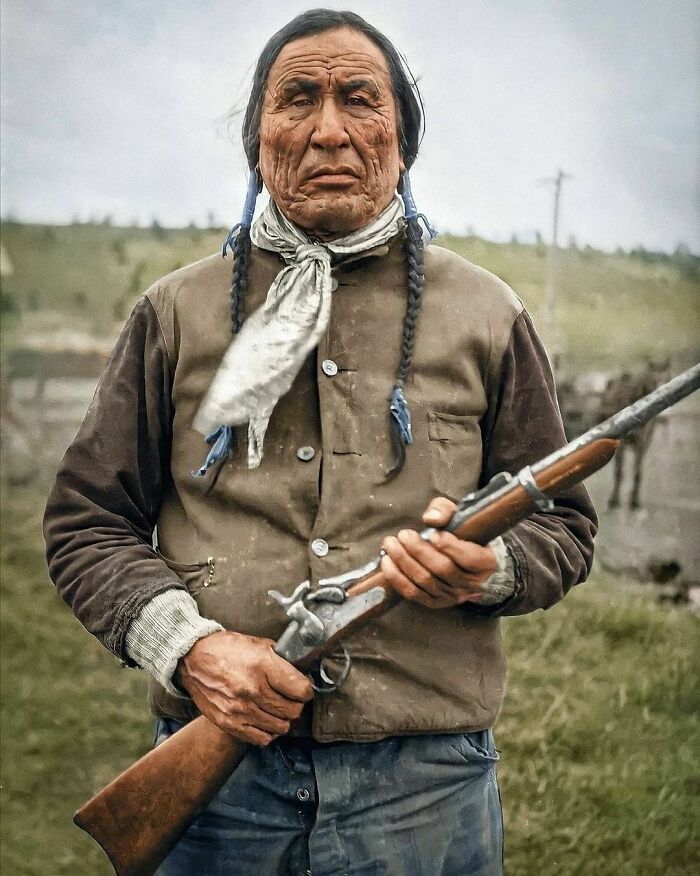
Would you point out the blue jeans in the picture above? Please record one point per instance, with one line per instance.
(405, 806)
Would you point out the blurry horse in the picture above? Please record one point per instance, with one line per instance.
(620, 392)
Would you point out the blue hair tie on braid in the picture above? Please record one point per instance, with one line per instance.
(248, 211)
(222, 441)
(398, 406)
(410, 209)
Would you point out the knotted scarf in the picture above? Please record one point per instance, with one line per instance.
(262, 361)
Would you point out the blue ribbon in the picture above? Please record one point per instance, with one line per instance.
(409, 206)
(248, 211)
(398, 407)
(222, 441)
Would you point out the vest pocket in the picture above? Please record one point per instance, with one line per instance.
(455, 453)
(195, 576)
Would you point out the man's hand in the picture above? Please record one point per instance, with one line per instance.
(443, 572)
(243, 687)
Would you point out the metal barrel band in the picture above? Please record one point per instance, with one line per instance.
(541, 500)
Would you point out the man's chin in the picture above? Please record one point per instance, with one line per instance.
(329, 217)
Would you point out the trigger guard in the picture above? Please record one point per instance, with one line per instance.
(327, 684)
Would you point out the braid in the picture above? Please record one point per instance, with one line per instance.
(413, 250)
(239, 278)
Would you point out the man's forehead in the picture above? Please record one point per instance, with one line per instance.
(339, 52)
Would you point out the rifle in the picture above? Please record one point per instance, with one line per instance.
(139, 817)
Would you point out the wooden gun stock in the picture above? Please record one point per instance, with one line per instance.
(140, 816)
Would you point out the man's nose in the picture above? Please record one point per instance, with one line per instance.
(329, 131)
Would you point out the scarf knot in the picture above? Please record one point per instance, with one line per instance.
(311, 251)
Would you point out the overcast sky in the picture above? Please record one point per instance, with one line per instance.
(120, 108)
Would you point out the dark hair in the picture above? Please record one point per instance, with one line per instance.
(409, 130)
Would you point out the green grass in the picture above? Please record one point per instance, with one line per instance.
(599, 735)
(613, 309)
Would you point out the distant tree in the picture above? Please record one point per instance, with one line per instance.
(688, 264)
(157, 229)
(514, 239)
(572, 242)
(539, 240)
(48, 234)
(76, 220)
(211, 219)
(107, 221)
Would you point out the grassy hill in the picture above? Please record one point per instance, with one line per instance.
(613, 309)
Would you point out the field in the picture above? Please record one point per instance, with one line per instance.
(613, 309)
(599, 737)
(600, 733)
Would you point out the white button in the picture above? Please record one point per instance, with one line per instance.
(329, 367)
(319, 547)
(303, 795)
(306, 453)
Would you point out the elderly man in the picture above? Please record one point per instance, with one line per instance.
(368, 374)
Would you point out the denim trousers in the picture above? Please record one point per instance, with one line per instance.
(405, 806)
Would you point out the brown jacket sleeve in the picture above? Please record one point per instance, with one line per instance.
(103, 506)
(552, 551)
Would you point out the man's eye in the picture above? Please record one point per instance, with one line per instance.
(357, 101)
(301, 101)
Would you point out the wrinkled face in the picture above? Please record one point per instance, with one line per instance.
(329, 152)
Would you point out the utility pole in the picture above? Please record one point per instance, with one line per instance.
(551, 295)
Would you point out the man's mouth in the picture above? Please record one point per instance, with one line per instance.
(342, 175)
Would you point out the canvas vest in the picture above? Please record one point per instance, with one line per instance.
(232, 536)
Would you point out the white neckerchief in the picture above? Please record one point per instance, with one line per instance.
(262, 361)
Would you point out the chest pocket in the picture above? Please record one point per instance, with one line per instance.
(455, 453)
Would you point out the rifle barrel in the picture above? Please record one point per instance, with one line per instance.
(641, 411)
(632, 417)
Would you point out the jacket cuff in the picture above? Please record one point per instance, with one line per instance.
(163, 631)
(501, 584)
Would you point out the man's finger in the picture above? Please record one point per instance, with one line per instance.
(266, 722)
(430, 558)
(402, 585)
(467, 555)
(281, 707)
(252, 735)
(439, 511)
(288, 681)
(410, 575)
